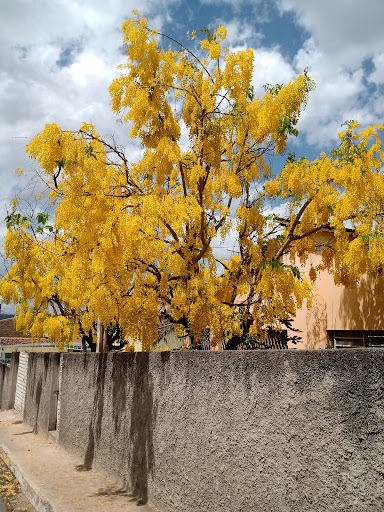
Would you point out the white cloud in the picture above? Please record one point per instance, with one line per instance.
(239, 33)
(340, 39)
(35, 38)
(347, 31)
(335, 98)
(269, 66)
(377, 76)
(343, 35)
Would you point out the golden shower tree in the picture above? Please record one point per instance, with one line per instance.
(129, 242)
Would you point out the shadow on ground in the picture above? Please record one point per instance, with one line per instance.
(119, 491)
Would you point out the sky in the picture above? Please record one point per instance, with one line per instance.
(58, 57)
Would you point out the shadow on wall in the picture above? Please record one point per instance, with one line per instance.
(142, 425)
(131, 386)
(38, 382)
(316, 319)
(362, 307)
(97, 414)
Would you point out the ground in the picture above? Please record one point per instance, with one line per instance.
(13, 498)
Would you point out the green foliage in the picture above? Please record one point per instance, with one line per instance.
(273, 89)
(251, 343)
(190, 63)
(295, 271)
(115, 336)
(17, 220)
(277, 265)
(208, 33)
(286, 126)
(349, 149)
(250, 93)
(372, 236)
(61, 163)
(90, 152)
(291, 158)
(310, 83)
(42, 218)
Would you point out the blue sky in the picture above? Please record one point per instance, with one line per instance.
(59, 56)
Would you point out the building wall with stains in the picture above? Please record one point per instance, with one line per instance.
(40, 405)
(337, 307)
(8, 377)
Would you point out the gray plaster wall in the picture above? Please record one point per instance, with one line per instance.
(40, 409)
(232, 431)
(8, 377)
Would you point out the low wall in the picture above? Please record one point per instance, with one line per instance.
(228, 431)
(40, 408)
(8, 377)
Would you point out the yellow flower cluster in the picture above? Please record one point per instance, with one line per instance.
(129, 240)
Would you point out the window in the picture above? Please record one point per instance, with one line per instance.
(356, 339)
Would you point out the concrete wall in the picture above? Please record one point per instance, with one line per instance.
(8, 377)
(40, 409)
(229, 431)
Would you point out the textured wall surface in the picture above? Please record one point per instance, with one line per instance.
(8, 377)
(41, 397)
(232, 431)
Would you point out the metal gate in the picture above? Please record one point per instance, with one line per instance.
(21, 382)
(206, 339)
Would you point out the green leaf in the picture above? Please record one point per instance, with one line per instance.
(277, 265)
(286, 126)
(16, 219)
(372, 236)
(273, 89)
(295, 270)
(42, 218)
(208, 33)
(61, 163)
(291, 158)
(250, 93)
(89, 152)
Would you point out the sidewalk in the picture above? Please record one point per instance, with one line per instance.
(48, 475)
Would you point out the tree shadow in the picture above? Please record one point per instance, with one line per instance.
(97, 414)
(362, 307)
(143, 414)
(133, 420)
(119, 491)
(316, 320)
(114, 491)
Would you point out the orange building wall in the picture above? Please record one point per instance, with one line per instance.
(339, 308)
